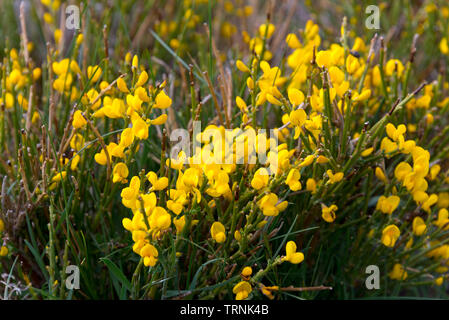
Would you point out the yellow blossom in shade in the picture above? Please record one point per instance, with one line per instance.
(59, 176)
(311, 185)
(439, 281)
(163, 101)
(398, 272)
(179, 224)
(2, 225)
(334, 177)
(247, 272)
(367, 152)
(157, 183)
(3, 251)
(149, 254)
(443, 219)
(444, 48)
(121, 85)
(328, 213)
(218, 232)
(260, 179)
(75, 161)
(387, 204)
(270, 206)
(380, 175)
(322, 159)
(77, 142)
(292, 180)
(291, 255)
(120, 173)
(78, 120)
(242, 290)
(390, 235)
(268, 291)
(419, 226)
(237, 235)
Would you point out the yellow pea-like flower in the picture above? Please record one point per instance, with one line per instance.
(291, 255)
(328, 213)
(163, 101)
(390, 235)
(121, 85)
(419, 226)
(334, 177)
(143, 78)
(388, 205)
(78, 120)
(398, 272)
(292, 180)
(120, 173)
(242, 290)
(218, 232)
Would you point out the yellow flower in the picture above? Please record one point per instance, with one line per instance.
(260, 179)
(94, 72)
(149, 254)
(328, 213)
(126, 137)
(395, 134)
(140, 128)
(268, 291)
(218, 232)
(3, 251)
(247, 272)
(392, 65)
(311, 185)
(179, 224)
(120, 173)
(307, 161)
(295, 96)
(419, 226)
(390, 234)
(367, 152)
(78, 120)
(388, 205)
(380, 175)
(143, 78)
(398, 272)
(242, 67)
(160, 219)
(157, 183)
(443, 219)
(269, 32)
(242, 290)
(334, 178)
(121, 85)
(270, 206)
(292, 180)
(2, 225)
(291, 255)
(163, 101)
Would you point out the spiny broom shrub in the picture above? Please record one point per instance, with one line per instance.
(321, 151)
